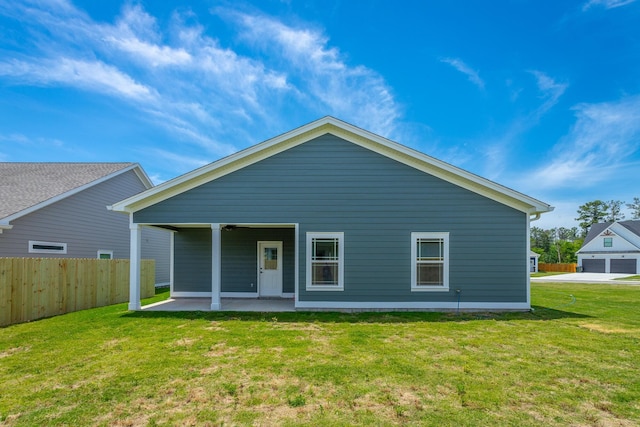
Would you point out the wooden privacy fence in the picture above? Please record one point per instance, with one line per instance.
(559, 268)
(32, 288)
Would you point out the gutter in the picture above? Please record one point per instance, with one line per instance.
(5, 226)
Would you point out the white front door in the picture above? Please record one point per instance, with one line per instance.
(270, 269)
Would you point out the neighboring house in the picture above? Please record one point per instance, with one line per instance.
(340, 218)
(533, 261)
(59, 210)
(611, 248)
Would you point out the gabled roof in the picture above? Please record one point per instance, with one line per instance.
(349, 133)
(632, 225)
(27, 187)
(597, 229)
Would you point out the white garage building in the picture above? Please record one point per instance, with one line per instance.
(611, 248)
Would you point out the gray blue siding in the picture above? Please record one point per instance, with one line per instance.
(329, 184)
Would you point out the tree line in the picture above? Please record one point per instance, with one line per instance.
(559, 245)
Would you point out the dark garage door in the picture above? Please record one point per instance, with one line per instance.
(593, 265)
(623, 266)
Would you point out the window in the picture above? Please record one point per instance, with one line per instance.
(608, 242)
(325, 259)
(105, 254)
(430, 261)
(37, 247)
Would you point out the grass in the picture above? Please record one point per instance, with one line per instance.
(629, 278)
(572, 361)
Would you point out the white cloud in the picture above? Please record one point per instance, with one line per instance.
(471, 74)
(186, 83)
(150, 53)
(607, 4)
(596, 148)
(550, 90)
(91, 75)
(320, 74)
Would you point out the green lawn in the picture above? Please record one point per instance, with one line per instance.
(573, 361)
(630, 278)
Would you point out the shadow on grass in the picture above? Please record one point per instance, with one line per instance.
(538, 313)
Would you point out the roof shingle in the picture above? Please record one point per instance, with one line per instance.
(23, 185)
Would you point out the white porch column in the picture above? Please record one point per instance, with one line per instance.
(216, 263)
(134, 267)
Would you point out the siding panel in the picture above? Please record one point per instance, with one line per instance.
(329, 184)
(84, 223)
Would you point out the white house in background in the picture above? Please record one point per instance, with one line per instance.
(533, 262)
(611, 248)
(60, 210)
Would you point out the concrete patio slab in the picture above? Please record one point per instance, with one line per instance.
(228, 304)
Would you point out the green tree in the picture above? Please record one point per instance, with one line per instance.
(635, 207)
(570, 234)
(614, 211)
(541, 239)
(591, 213)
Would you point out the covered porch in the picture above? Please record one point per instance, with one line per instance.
(222, 266)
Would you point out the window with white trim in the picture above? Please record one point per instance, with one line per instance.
(38, 247)
(102, 254)
(430, 261)
(608, 242)
(325, 261)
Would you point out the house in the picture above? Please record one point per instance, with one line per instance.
(59, 210)
(533, 261)
(337, 217)
(612, 247)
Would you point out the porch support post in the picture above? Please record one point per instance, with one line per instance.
(134, 267)
(216, 264)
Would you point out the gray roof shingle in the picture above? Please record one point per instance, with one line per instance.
(23, 185)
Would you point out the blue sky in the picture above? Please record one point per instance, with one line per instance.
(540, 96)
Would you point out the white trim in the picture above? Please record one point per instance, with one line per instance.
(134, 264)
(311, 235)
(5, 227)
(345, 131)
(33, 243)
(445, 262)
(216, 263)
(105, 252)
(296, 251)
(423, 305)
(528, 263)
(171, 262)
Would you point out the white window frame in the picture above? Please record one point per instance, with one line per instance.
(33, 250)
(105, 252)
(311, 236)
(444, 236)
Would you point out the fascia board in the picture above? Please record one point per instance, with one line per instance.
(71, 192)
(142, 176)
(350, 133)
(449, 173)
(219, 168)
(626, 234)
